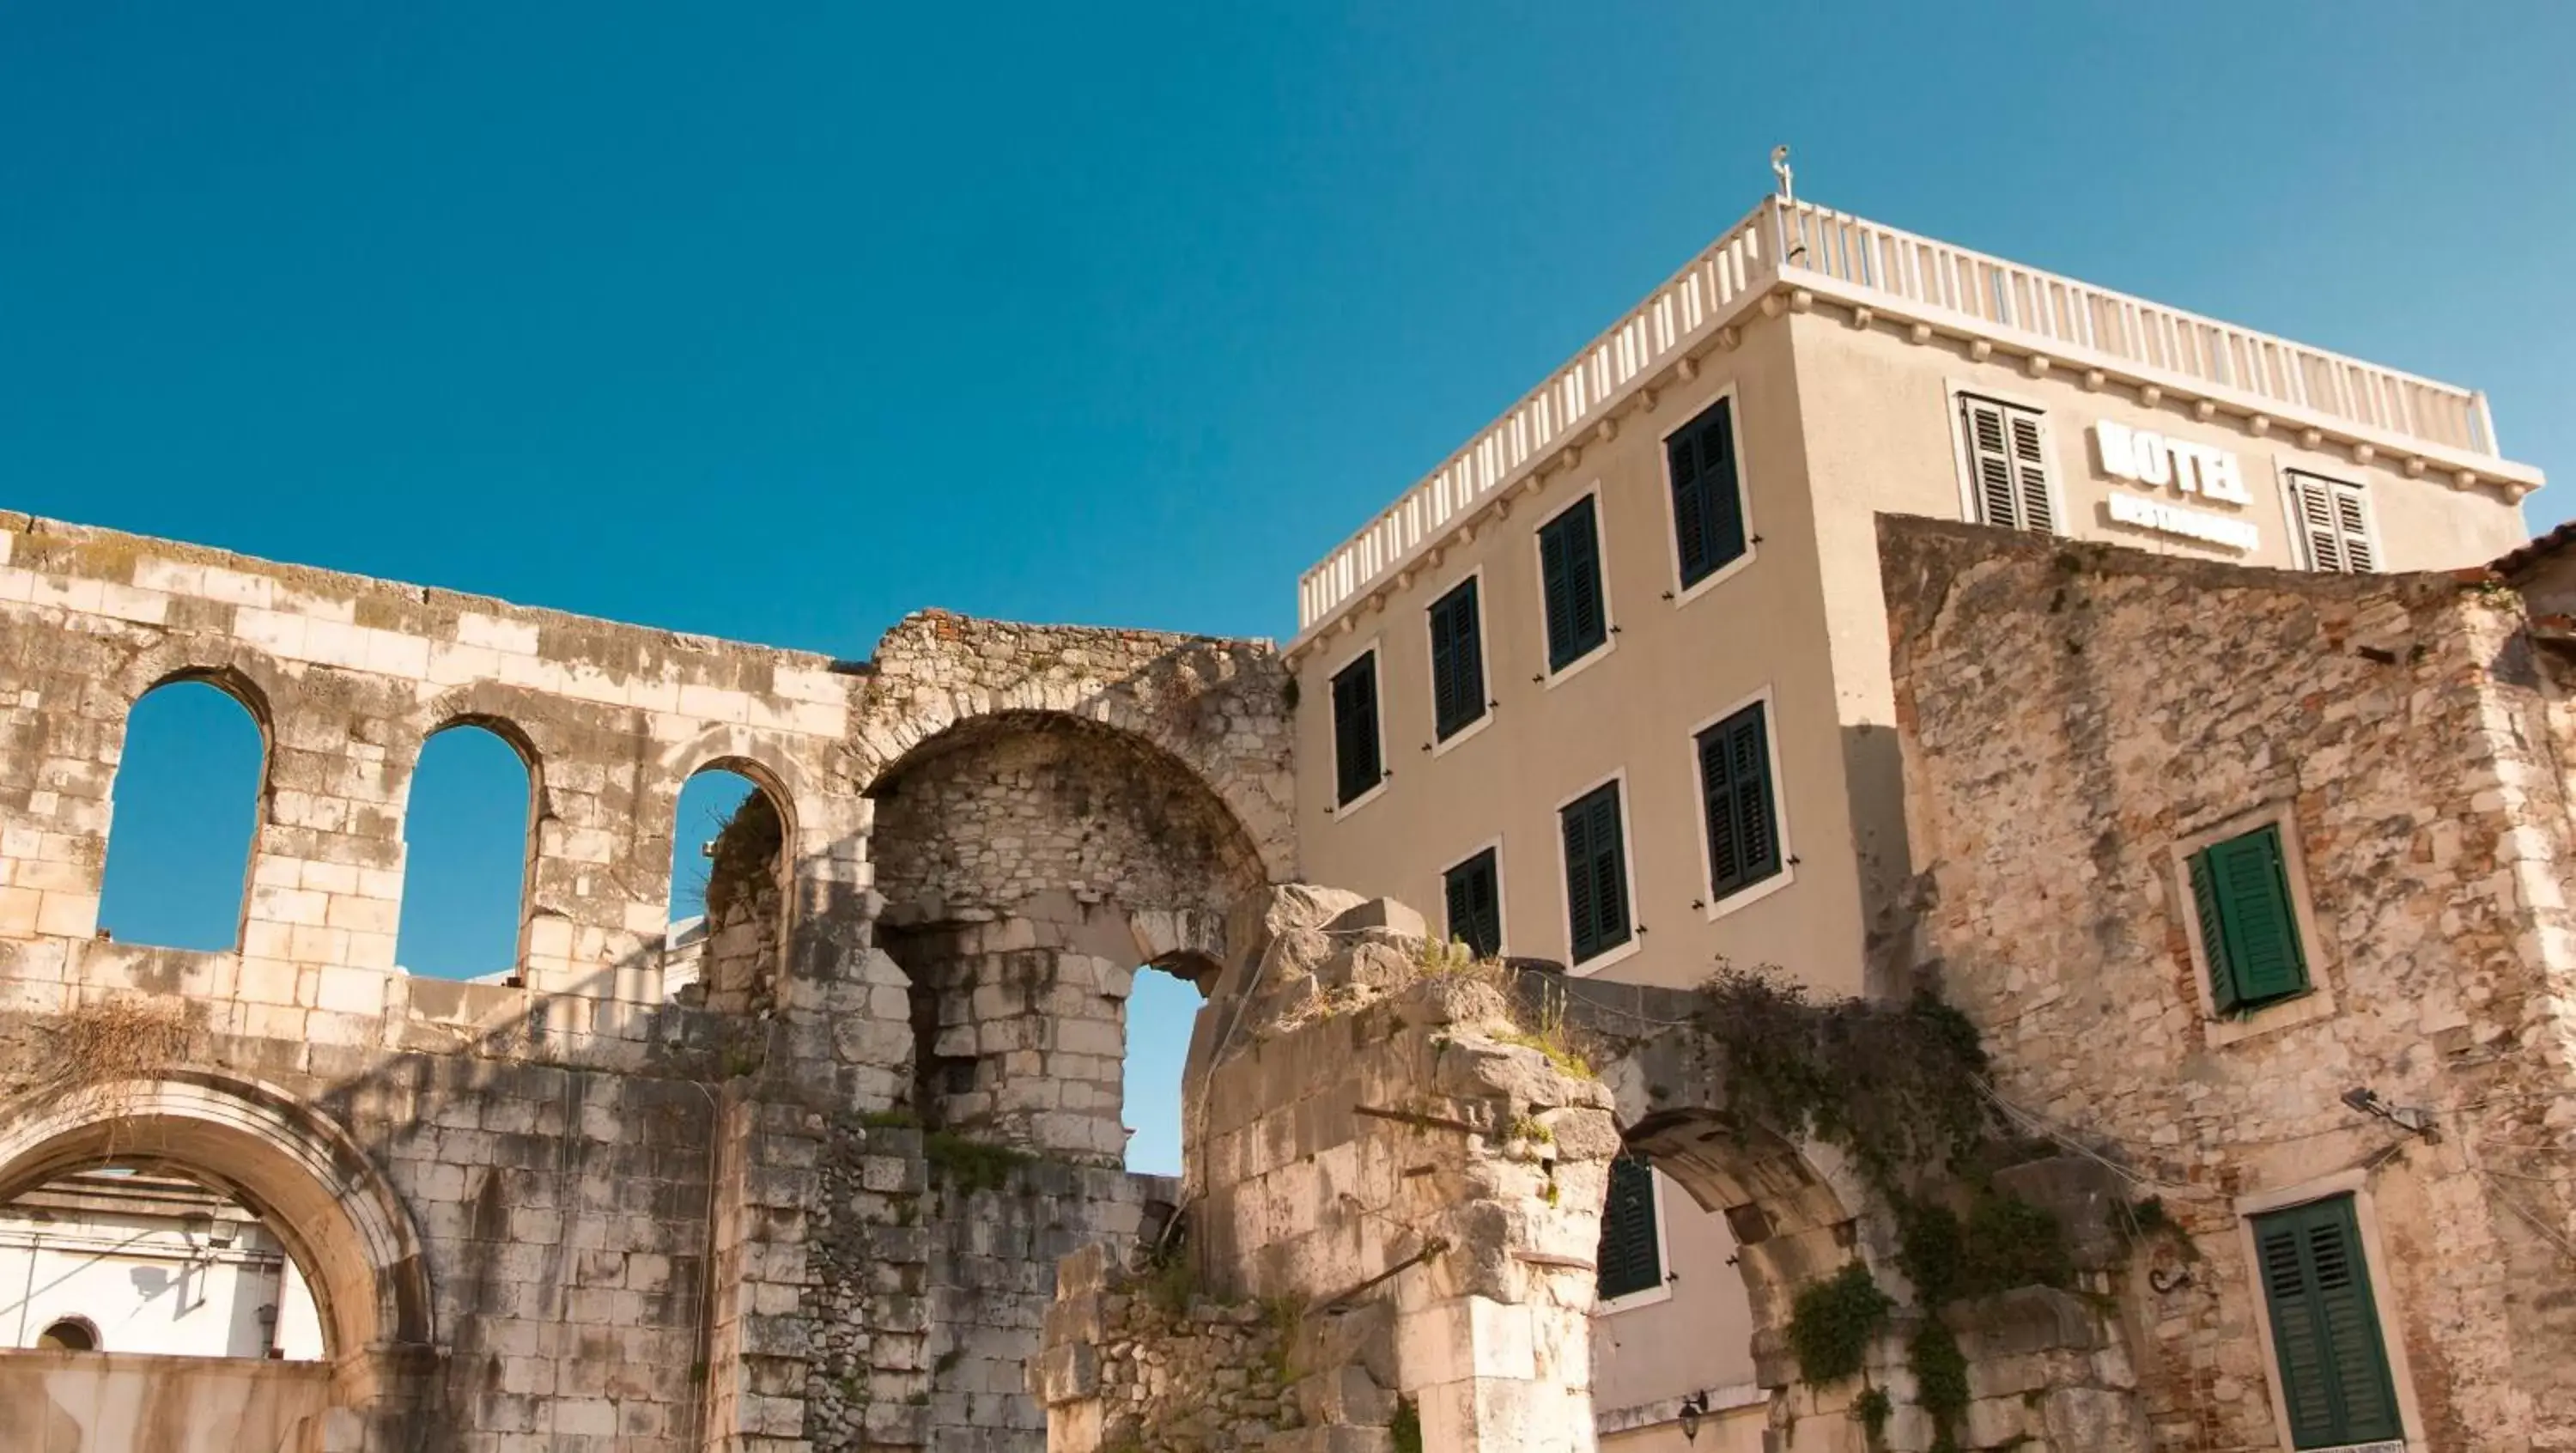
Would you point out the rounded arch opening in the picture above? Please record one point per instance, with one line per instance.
(137, 1256)
(69, 1334)
(1033, 865)
(469, 846)
(334, 1219)
(732, 867)
(184, 813)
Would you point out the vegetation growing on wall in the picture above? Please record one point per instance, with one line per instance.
(1898, 1088)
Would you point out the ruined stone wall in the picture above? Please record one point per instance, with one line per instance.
(1376, 1140)
(560, 1212)
(2075, 717)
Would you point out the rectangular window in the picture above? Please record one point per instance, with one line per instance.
(1596, 873)
(1569, 562)
(1474, 890)
(2325, 1329)
(2249, 931)
(1358, 765)
(1457, 662)
(2007, 464)
(1738, 803)
(2334, 522)
(1708, 504)
(1631, 1258)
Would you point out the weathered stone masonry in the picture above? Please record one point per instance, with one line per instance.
(2073, 715)
(565, 1213)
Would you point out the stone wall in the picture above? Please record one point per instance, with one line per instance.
(1371, 1134)
(561, 1212)
(2074, 717)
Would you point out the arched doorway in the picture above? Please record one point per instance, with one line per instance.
(299, 1176)
(1032, 864)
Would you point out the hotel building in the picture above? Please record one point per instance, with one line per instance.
(1611, 685)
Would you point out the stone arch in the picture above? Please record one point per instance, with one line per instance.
(304, 1176)
(1793, 1207)
(1217, 707)
(1029, 863)
(240, 672)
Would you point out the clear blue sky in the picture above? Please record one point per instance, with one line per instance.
(778, 321)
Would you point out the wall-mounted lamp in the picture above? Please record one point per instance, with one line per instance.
(2404, 1117)
(1694, 1408)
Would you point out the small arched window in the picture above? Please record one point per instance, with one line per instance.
(466, 840)
(728, 906)
(68, 1334)
(184, 807)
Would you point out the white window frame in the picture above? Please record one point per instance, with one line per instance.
(1661, 1291)
(1963, 461)
(2217, 1029)
(1370, 647)
(1684, 595)
(1627, 870)
(1502, 900)
(1484, 659)
(2289, 475)
(2355, 1183)
(1714, 908)
(1538, 565)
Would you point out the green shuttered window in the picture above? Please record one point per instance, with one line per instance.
(1738, 803)
(1457, 661)
(1358, 765)
(1569, 565)
(1708, 505)
(1596, 873)
(1474, 890)
(2249, 931)
(2007, 464)
(2325, 1329)
(1631, 1258)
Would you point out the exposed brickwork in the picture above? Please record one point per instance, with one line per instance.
(2073, 717)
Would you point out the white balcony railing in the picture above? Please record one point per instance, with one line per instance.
(1795, 244)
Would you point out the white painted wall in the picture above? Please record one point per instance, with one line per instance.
(150, 1284)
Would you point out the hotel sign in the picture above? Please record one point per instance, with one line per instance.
(2151, 461)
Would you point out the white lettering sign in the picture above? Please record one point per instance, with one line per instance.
(2130, 509)
(2155, 461)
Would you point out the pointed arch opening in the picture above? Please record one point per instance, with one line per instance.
(184, 812)
(468, 841)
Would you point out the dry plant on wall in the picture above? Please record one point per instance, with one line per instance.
(106, 1052)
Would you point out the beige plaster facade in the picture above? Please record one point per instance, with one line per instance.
(1843, 359)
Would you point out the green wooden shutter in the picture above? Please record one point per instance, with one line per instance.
(2213, 936)
(2243, 886)
(1582, 929)
(1357, 762)
(1720, 489)
(1596, 874)
(1457, 662)
(1708, 511)
(1474, 893)
(1690, 512)
(1609, 870)
(1570, 570)
(2326, 1340)
(1738, 802)
(1630, 1260)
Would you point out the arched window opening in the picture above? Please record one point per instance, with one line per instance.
(145, 1259)
(185, 807)
(1161, 1009)
(466, 838)
(728, 898)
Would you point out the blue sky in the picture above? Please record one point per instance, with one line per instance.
(776, 322)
